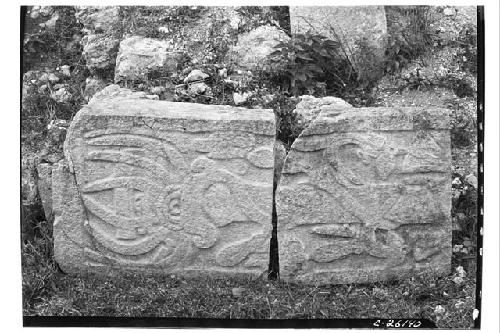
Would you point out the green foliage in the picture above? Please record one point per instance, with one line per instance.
(255, 16)
(425, 36)
(464, 211)
(313, 65)
(463, 123)
(163, 295)
(410, 35)
(145, 20)
(287, 122)
(282, 15)
(53, 47)
(467, 44)
(43, 51)
(38, 267)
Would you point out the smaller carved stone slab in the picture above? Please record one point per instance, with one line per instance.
(170, 187)
(365, 196)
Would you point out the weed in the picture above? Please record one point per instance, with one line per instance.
(43, 51)
(314, 66)
(410, 35)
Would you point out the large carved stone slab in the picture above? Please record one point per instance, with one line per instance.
(365, 196)
(161, 186)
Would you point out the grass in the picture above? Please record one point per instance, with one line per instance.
(49, 292)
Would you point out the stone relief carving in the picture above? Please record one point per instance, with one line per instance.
(353, 197)
(161, 198)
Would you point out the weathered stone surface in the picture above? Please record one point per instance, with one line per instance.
(102, 26)
(279, 159)
(365, 196)
(253, 49)
(139, 55)
(99, 19)
(70, 237)
(37, 11)
(309, 107)
(99, 51)
(61, 95)
(220, 21)
(115, 91)
(161, 186)
(361, 29)
(92, 86)
(196, 75)
(44, 184)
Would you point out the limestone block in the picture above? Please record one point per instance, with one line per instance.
(102, 27)
(99, 19)
(44, 184)
(139, 55)
(279, 159)
(253, 49)
(365, 196)
(309, 107)
(170, 187)
(70, 237)
(361, 29)
(99, 51)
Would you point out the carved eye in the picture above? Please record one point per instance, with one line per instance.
(174, 207)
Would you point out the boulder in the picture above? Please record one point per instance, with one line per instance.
(99, 19)
(198, 88)
(156, 186)
(364, 196)
(220, 21)
(61, 95)
(362, 30)
(37, 11)
(241, 98)
(50, 24)
(309, 107)
(472, 180)
(99, 51)
(195, 75)
(139, 55)
(102, 28)
(253, 49)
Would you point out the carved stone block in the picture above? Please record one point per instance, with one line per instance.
(161, 186)
(365, 195)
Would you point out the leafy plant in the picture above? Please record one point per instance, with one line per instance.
(313, 65)
(38, 266)
(48, 49)
(54, 47)
(410, 35)
(287, 122)
(145, 20)
(467, 43)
